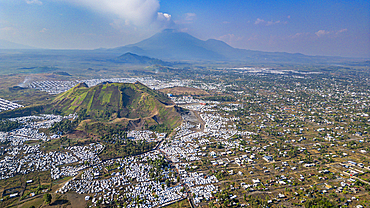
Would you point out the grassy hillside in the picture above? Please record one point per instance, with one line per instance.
(118, 103)
(131, 58)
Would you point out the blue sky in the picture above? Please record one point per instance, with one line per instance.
(337, 28)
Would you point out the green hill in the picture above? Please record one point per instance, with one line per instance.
(131, 58)
(133, 104)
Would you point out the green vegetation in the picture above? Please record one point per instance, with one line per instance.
(26, 111)
(110, 101)
(65, 126)
(118, 103)
(161, 128)
(156, 172)
(62, 73)
(124, 148)
(319, 203)
(6, 125)
(220, 98)
(181, 204)
(131, 58)
(47, 198)
(37, 190)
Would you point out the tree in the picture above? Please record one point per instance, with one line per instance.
(320, 203)
(168, 183)
(6, 125)
(47, 198)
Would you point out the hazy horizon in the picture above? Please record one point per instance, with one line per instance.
(330, 28)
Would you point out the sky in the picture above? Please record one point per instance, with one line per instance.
(330, 27)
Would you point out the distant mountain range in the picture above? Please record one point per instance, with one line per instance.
(173, 45)
(4, 44)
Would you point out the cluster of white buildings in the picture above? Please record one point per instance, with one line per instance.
(25, 134)
(154, 194)
(219, 87)
(129, 179)
(35, 161)
(145, 135)
(231, 107)
(185, 100)
(65, 171)
(22, 159)
(52, 87)
(196, 179)
(189, 144)
(56, 87)
(29, 129)
(8, 105)
(187, 141)
(87, 153)
(203, 192)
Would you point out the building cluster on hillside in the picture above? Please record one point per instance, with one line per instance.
(203, 192)
(56, 87)
(129, 179)
(52, 87)
(24, 159)
(88, 153)
(29, 129)
(145, 135)
(189, 145)
(186, 144)
(66, 171)
(185, 100)
(8, 105)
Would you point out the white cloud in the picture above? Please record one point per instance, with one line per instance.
(341, 31)
(321, 33)
(164, 17)
(34, 2)
(267, 23)
(136, 12)
(259, 21)
(272, 22)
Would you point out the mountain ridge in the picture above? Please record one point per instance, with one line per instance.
(8, 45)
(173, 45)
(132, 58)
